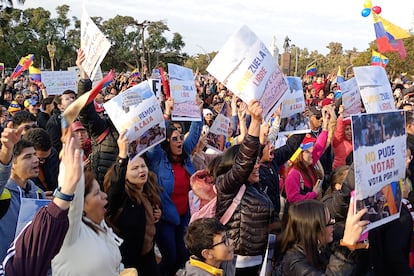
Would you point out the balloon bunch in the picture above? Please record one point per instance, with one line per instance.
(368, 8)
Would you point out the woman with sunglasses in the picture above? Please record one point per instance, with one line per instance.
(171, 162)
(308, 232)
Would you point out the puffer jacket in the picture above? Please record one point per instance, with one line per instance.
(104, 147)
(248, 226)
(341, 262)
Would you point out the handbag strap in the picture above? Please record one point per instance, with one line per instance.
(236, 201)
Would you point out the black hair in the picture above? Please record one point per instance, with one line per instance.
(200, 235)
(21, 117)
(40, 138)
(47, 101)
(20, 146)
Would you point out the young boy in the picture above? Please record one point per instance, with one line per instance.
(209, 246)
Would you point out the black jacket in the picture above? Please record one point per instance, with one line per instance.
(269, 171)
(104, 147)
(248, 226)
(341, 262)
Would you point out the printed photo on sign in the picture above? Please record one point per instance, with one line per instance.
(379, 153)
(351, 99)
(137, 111)
(183, 91)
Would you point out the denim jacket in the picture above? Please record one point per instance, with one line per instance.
(158, 163)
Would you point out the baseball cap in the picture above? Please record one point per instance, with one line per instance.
(77, 126)
(315, 110)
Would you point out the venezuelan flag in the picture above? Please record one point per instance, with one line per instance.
(23, 64)
(378, 60)
(311, 70)
(135, 73)
(389, 36)
(35, 74)
(340, 75)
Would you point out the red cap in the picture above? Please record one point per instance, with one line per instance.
(77, 126)
(307, 142)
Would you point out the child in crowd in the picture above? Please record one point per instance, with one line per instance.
(210, 251)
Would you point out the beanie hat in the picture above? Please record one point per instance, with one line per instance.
(14, 107)
(307, 142)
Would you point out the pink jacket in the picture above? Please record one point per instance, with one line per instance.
(341, 146)
(293, 179)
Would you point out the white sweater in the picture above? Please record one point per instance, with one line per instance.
(84, 252)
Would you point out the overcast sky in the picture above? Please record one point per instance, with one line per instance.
(206, 25)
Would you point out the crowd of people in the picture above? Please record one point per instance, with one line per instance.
(110, 214)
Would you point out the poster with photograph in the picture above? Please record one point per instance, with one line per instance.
(351, 99)
(293, 101)
(379, 160)
(375, 89)
(137, 111)
(220, 131)
(183, 91)
(246, 67)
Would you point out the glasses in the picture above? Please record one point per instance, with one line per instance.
(318, 117)
(226, 241)
(331, 222)
(175, 138)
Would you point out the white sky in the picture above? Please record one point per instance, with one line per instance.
(206, 25)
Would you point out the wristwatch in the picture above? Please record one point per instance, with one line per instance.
(62, 196)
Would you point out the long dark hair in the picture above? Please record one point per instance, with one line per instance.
(303, 168)
(305, 227)
(165, 145)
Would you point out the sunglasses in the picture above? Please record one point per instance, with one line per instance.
(331, 222)
(226, 241)
(175, 138)
(318, 117)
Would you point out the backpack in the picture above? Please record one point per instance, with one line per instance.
(208, 210)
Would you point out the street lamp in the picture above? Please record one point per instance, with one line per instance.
(51, 48)
(142, 26)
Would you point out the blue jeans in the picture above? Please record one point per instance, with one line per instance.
(170, 241)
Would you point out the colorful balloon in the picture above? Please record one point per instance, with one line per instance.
(365, 12)
(367, 4)
(376, 9)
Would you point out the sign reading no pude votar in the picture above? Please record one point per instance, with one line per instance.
(351, 98)
(246, 67)
(137, 111)
(379, 141)
(58, 81)
(183, 91)
(375, 88)
(94, 44)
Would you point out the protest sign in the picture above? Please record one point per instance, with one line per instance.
(96, 79)
(183, 91)
(94, 44)
(293, 101)
(246, 67)
(58, 81)
(351, 99)
(219, 134)
(379, 161)
(137, 111)
(375, 88)
(156, 85)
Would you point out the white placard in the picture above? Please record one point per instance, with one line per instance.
(58, 81)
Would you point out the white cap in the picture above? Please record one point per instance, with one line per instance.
(207, 111)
